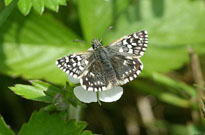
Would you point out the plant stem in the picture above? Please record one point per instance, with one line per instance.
(198, 78)
(97, 93)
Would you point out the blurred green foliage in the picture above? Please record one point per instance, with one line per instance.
(30, 45)
(4, 129)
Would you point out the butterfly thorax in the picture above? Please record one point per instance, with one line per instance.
(96, 43)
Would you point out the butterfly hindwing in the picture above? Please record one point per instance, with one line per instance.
(94, 79)
(127, 68)
(135, 43)
(75, 64)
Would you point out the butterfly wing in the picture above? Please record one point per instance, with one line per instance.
(75, 64)
(123, 53)
(94, 79)
(134, 44)
(89, 70)
(126, 68)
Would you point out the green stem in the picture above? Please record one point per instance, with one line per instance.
(97, 93)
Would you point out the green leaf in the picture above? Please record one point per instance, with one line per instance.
(95, 17)
(26, 5)
(36, 91)
(41, 123)
(178, 86)
(87, 133)
(30, 47)
(158, 92)
(4, 129)
(182, 25)
(38, 5)
(171, 31)
(7, 11)
(7, 2)
(164, 59)
(120, 5)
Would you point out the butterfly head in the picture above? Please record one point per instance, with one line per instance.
(96, 43)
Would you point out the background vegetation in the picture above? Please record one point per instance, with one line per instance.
(166, 99)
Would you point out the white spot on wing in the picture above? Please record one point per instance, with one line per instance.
(124, 42)
(141, 53)
(134, 44)
(129, 46)
(130, 51)
(79, 63)
(75, 76)
(78, 57)
(120, 50)
(92, 74)
(81, 68)
(138, 72)
(126, 80)
(71, 73)
(66, 59)
(135, 35)
(90, 89)
(86, 62)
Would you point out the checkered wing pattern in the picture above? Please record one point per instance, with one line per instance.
(135, 43)
(75, 64)
(103, 68)
(94, 79)
(127, 68)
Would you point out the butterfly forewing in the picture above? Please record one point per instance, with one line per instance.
(75, 64)
(135, 43)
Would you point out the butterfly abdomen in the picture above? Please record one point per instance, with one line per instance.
(109, 71)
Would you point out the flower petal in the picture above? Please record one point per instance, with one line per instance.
(111, 95)
(85, 96)
(73, 80)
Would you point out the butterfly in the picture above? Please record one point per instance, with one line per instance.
(105, 67)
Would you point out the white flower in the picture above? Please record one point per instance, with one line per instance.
(85, 96)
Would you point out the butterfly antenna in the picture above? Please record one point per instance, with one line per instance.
(106, 32)
(77, 40)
